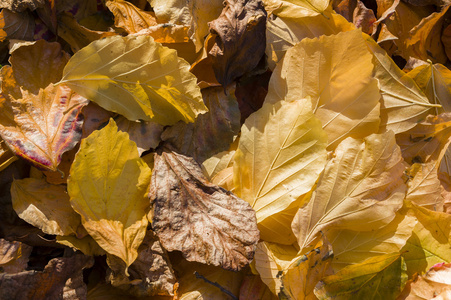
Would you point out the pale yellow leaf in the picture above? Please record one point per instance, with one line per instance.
(296, 8)
(361, 188)
(424, 186)
(218, 162)
(136, 77)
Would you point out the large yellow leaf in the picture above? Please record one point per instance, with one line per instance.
(424, 188)
(353, 247)
(403, 104)
(107, 186)
(296, 8)
(283, 33)
(325, 69)
(280, 155)
(380, 277)
(361, 188)
(430, 241)
(136, 77)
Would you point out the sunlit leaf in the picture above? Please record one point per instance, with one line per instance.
(45, 206)
(353, 247)
(424, 186)
(205, 222)
(19, 6)
(18, 26)
(136, 77)
(6, 156)
(280, 155)
(303, 273)
(296, 8)
(217, 163)
(14, 256)
(107, 186)
(86, 244)
(380, 277)
(40, 128)
(129, 17)
(324, 69)
(430, 241)
(361, 188)
(403, 104)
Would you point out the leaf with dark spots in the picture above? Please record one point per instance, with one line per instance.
(205, 222)
(240, 39)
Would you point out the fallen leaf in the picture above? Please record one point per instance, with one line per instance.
(47, 284)
(95, 117)
(18, 25)
(430, 241)
(361, 189)
(381, 277)
(364, 18)
(168, 34)
(270, 260)
(354, 247)
(403, 104)
(85, 244)
(224, 179)
(40, 128)
(129, 17)
(301, 276)
(107, 185)
(280, 155)
(213, 131)
(14, 256)
(45, 206)
(423, 188)
(346, 105)
(137, 78)
(60, 175)
(253, 288)
(150, 274)
(239, 39)
(19, 6)
(345, 8)
(283, 33)
(446, 40)
(218, 162)
(6, 156)
(296, 9)
(205, 222)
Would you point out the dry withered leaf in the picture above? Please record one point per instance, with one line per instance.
(205, 222)
(40, 128)
(213, 131)
(240, 39)
(16, 25)
(13, 256)
(49, 283)
(129, 17)
(21, 5)
(150, 274)
(364, 18)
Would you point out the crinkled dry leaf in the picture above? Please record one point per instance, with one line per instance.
(47, 284)
(21, 5)
(324, 69)
(271, 259)
(45, 206)
(303, 273)
(213, 131)
(284, 33)
(150, 274)
(107, 186)
(281, 152)
(383, 277)
(40, 128)
(430, 241)
(76, 35)
(423, 188)
(14, 256)
(129, 17)
(205, 222)
(19, 26)
(353, 247)
(240, 39)
(361, 188)
(137, 78)
(364, 18)
(403, 104)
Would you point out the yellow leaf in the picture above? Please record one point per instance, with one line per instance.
(424, 186)
(380, 277)
(107, 186)
(430, 241)
(353, 247)
(280, 155)
(403, 104)
(86, 244)
(6, 156)
(361, 189)
(296, 8)
(218, 162)
(270, 259)
(324, 69)
(130, 17)
(303, 273)
(283, 33)
(136, 77)
(45, 206)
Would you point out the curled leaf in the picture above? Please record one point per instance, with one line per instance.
(205, 222)
(130, 17)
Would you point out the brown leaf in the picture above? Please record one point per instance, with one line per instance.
(253, 288)
(13, 256)
(18, 26)
(95, 117)
(364, 18)
(150, 274)
(40, 128)
(130, 17)
(205, 222)
(213, 131)
(446, 40)
(47, 284)
(345, 8)
(21, 5)
(240, 39)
